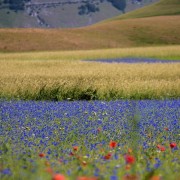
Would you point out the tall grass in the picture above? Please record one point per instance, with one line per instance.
(62, 76)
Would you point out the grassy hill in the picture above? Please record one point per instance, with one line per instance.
(161, 8)
(117, 32)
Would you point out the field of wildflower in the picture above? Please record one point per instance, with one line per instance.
(90, 140)
(64, 116)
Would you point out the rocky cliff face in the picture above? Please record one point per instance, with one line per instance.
(62, 13)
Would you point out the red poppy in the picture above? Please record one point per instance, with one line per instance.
(75, 148)
(166, 129)
(112, 144)
(42, 155)
(130, 159)
(161, 148)
(71, 154)
(58, 177)
(173, 145)
(155, 177)
(107, 156)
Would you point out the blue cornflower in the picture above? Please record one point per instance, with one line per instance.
(113, 177)
(158, 163)
(96, 172)
(7, 171)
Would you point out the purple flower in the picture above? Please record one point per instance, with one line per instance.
(6, 171)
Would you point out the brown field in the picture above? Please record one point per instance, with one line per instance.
(161, 30)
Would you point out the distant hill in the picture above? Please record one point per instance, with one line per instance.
(63, 13)
(161, 8)
(162, 29)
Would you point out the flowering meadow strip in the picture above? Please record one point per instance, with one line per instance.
(134, 60)
(92, 140)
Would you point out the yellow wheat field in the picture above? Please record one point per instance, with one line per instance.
(33, 73)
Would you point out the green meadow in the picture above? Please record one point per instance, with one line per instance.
(161, 8)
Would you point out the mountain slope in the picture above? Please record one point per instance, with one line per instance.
(63, 13)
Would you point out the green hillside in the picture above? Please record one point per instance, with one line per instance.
(161, 8)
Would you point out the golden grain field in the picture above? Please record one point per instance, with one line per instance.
(20, 74)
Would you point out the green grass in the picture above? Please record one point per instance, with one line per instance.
(14, 19)
(9, 19)
(159, 52)
(161, 8)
